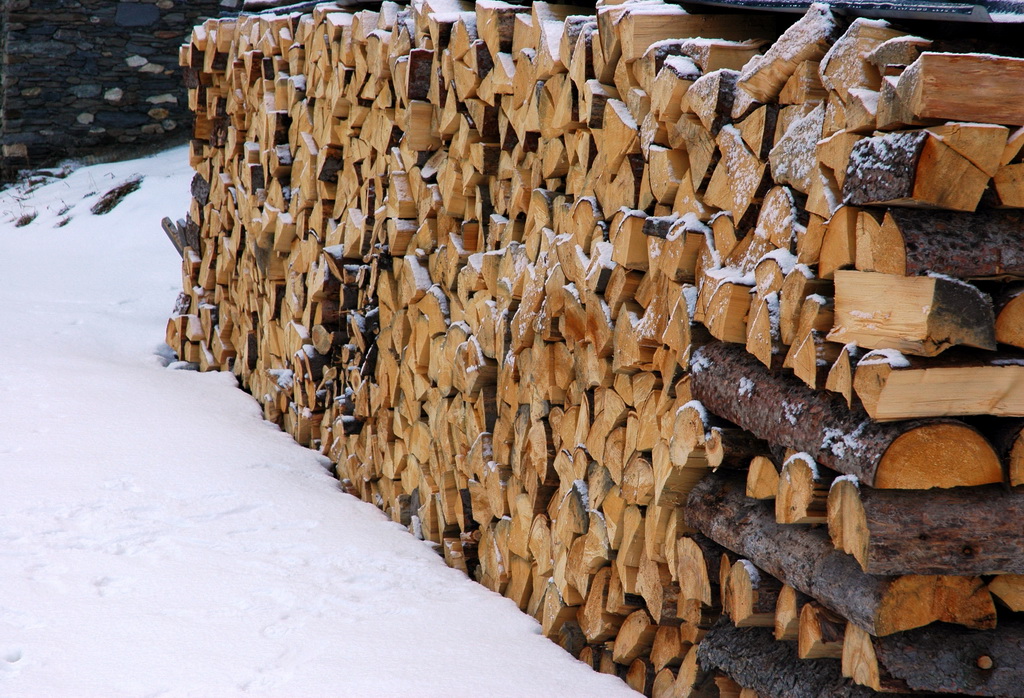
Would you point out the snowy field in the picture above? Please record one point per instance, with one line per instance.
(157, 538)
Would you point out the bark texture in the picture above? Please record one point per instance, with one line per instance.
(753, 659)
(934, 659)
(965, 245)
(973, 530)
(882, 168)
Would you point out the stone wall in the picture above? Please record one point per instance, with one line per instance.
(82, 77)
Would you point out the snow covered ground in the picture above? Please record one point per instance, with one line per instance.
(157, 538)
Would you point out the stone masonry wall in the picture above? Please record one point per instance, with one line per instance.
(85, 76)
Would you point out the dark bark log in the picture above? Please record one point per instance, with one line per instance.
(200, 189)
(913, 168)
(175, 233)
(736, 386)
(805, 559)
(882, 168)
(752, 658)
(1007, 435)
(1004, 433)
(965, 245)
(940, 659)
(963, 531)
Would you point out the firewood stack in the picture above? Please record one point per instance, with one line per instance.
(677, 330)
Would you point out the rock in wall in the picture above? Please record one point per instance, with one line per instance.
(84, 76)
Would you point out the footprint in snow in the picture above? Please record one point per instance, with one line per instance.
(112, 586)
(19, 619)
(10, 661)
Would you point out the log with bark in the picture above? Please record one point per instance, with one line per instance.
(912, 168)
(407, 239)
(912, 242)
(960, 531)
(921, 315)
(806, 560)
(753, 658)
(973, 663)
(905, 455)
(963, 87)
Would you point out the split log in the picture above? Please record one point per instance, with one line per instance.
(635, 637)
(793, 159)
(640, 676)
(1009, 307)
(803, 491)
(922, 315)
(1009, 589)
(640, 26)
(693, 681)
(840, 376)
(754, 659)
(763, 78)
(892, 386)
(805, 559)
(963, 87)
(810, 352)
(977, 663)
(820, 633)
(668, 649)
(907, 455)
(664, 684)
(723, 445)
(762, 478)
(749, 596)
(960, 531)
(787, 613)
(595, 621)
(698, 560)
(846, 66)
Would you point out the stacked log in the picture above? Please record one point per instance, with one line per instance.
(643, 318)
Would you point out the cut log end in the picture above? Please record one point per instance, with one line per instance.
(922, 458)
(917, 600)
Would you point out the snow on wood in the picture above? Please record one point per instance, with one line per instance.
(550, 229)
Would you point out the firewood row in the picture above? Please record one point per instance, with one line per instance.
(696, 336)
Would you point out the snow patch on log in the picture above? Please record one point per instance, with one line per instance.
(699, 363)
(809, 460)
(878, 357)
(845, 478)
(839, 442)
(791, 412)
(746, 386)
(784, 258)
(284, 377)
(581, 487)
(690, 295)
(698, 406)
(752, 572)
